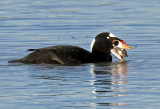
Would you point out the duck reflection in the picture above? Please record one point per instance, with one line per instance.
(108, 80)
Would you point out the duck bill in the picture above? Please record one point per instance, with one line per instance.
(117, 54)
(125, 46)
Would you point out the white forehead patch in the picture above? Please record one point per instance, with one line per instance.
(92, 44)
(112, 35)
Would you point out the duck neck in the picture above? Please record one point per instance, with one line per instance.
(101, 56)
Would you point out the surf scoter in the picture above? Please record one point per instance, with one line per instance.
(101, 48)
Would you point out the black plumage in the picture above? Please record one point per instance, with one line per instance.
(68, 54)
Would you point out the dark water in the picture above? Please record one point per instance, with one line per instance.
(26, 24)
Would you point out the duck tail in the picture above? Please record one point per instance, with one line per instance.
(16, 61)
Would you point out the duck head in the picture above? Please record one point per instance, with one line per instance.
(108, 43)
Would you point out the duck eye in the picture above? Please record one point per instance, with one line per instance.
(116, 43)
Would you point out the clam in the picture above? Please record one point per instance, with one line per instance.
(121, 51)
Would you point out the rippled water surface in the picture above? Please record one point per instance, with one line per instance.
(26, 24)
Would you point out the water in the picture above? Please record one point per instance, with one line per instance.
(41, 23)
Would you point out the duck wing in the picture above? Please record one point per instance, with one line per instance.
(60, 54)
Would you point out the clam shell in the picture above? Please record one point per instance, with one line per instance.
(122, 52)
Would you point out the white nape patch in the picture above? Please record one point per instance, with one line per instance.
(112, 35)
(92, 44)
